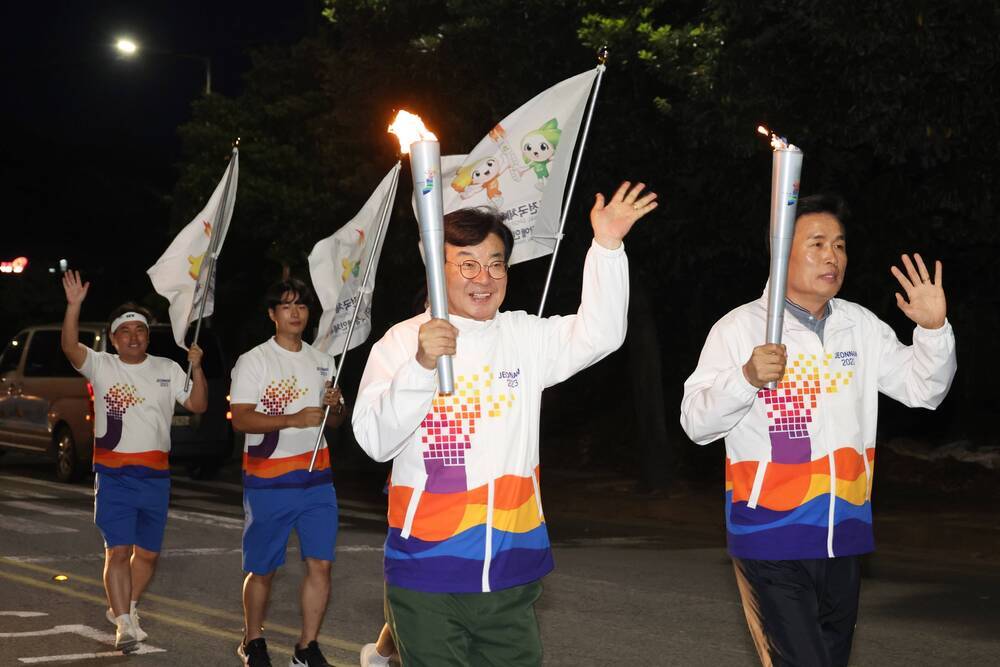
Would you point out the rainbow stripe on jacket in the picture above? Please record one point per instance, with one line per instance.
(446, 549)
(791, 519)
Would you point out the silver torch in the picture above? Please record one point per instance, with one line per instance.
(786, 168)
(425, 166)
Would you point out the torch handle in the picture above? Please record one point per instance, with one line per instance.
(785, 173)
(446, 376)
(425, 166)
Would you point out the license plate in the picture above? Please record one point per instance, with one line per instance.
(181, 420)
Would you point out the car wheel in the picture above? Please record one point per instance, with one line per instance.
(68, 466)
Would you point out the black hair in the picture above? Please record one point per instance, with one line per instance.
(129, 307)
(830, 203)
(276, 292)
(471, 226)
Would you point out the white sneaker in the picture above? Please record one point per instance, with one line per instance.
(125, 640)
(371, 657)
(140, 634)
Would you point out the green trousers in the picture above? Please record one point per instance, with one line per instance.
(497, 629)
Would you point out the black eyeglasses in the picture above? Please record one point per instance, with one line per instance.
(470, 268)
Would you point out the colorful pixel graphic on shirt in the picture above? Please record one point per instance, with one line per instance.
(118, 400)
(277, 396)
(280, 394)
(448, 427)
(791, 405)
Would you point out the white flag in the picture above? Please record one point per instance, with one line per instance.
(182, 272)
(337, 266)
(522, 165)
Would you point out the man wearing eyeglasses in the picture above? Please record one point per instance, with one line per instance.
(467, 543)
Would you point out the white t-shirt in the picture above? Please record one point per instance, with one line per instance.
(281, 382)
(133, 406)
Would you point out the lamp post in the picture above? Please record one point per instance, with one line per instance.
(129, 48)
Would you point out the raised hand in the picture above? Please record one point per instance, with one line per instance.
(612, 221)
(924, 303)
(76, 290)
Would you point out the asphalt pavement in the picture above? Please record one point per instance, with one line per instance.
(639, 580)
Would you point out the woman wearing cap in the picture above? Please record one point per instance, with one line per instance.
(134, 396)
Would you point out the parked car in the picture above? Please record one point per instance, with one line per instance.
(47, 407)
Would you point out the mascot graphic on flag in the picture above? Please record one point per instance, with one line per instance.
(522, 166)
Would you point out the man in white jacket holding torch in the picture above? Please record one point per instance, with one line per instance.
(467, 542)
(799, 458)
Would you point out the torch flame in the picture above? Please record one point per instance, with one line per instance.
(777, 143)
(409, 129)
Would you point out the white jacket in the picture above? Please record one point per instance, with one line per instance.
(784, 446)
(465, 511)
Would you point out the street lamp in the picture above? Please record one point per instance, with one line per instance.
(128, 48)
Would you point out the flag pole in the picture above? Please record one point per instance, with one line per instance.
(602, 58)
(383, 218)
(213, 248)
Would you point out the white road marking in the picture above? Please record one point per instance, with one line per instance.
(229, 523)
(28, 527)
(361, 548)
(69, 488)
(21, 494)
(82, 630)
(44, 508)
(23, 614)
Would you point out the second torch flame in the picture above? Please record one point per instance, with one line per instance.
(777, 143)
(425, 167)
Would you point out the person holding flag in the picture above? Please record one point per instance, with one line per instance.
(467, 542)
(800, 457)
(279, 391)
(134, 395)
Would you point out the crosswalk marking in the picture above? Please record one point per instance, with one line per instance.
(84, 631)
(193, 626)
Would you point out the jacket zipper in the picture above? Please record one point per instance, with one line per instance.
(488, 556)
(833, 468)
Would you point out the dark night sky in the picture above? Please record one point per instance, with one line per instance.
(90, 139)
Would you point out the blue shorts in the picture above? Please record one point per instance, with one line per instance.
(272, 513)
(131, 510)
